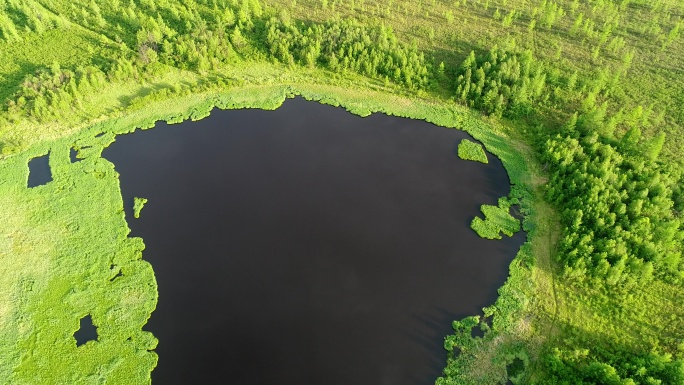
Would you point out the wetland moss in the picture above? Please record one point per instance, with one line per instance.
(469, 150)
(138, 204)
(62, 247)
(497, 220)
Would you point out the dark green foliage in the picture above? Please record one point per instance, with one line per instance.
(347, 45)
(583, 366)
(515, 368)
(500, 82)
(208, 46)
(619, 227)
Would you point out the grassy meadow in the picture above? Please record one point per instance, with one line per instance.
(583, 101)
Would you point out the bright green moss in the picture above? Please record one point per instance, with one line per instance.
(497, 220)
(469, 150)
(138, 204)
(61, 247)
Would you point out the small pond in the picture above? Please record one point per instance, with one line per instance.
(307, 245)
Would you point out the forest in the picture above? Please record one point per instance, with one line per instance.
(591, 93)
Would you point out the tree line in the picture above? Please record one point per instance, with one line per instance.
(579, 367)
(500, 82)
(55, 91)
(618, 212)
(347, 45)
(616, 205)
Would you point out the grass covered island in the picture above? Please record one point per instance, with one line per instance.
(583, 101)
(469, 150)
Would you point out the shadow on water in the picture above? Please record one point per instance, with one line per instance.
(307, 245)
(429, 334)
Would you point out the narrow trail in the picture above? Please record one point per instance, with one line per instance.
(545, 263)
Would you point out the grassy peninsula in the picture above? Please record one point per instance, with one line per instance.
(583, 101)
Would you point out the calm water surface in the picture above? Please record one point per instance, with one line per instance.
(307, 245)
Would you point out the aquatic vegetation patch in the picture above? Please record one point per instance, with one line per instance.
(498, 219)
(469, 150)
(138, 204)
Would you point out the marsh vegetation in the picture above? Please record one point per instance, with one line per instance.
(582, 102)
(347, 235)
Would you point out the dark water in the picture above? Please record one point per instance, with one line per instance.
(39, 171)
(307, 245)
(86, 332)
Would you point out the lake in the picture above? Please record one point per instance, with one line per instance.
(307, 245)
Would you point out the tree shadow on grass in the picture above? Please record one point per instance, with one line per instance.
(11, 82)
(126, 100)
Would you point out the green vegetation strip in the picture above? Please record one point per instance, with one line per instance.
(138, 204)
